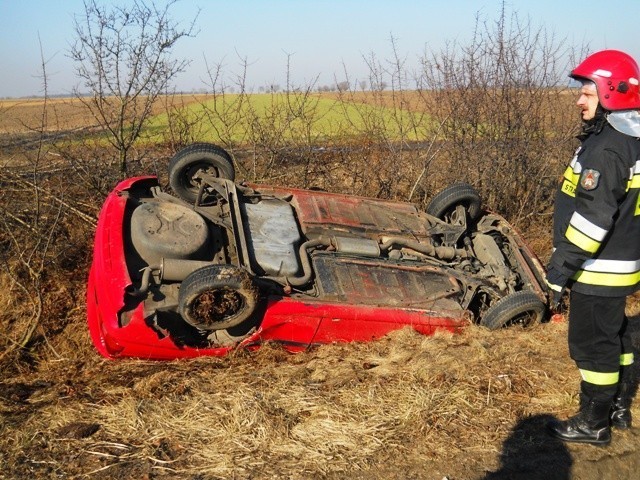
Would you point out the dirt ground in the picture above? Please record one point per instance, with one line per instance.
(471, 406)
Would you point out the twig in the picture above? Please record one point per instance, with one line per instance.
(426, 164)
(90, 220)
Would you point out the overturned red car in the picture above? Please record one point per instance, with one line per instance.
(219, 265)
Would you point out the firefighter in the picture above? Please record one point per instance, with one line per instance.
(597, 245)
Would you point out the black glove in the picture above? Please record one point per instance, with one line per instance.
(557, 282)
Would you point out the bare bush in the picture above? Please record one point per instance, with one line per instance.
(505, 115)
(185, 125)
(275, 134)
(390, 119)
(36, 230)
(123, 57)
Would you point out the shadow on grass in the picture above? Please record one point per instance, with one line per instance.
(529, 453)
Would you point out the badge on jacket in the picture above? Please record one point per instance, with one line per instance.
(589, 179)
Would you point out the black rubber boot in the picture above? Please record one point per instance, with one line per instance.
(590, 425)
(621, 409)
(621, 412)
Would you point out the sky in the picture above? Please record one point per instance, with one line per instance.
(319, 38)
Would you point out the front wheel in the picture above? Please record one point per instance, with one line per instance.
(188, 163)
(217, 297)
(521, 308)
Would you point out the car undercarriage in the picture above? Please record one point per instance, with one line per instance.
(206, 264)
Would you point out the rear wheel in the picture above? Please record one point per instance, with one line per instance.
(217, 297)
(522, 308)
(444, 204)
(188, 163)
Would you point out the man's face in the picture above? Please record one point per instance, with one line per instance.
(588, 100)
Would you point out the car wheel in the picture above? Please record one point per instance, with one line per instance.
(216, 297)
(521, 308)
(444, 203)
(194, 159)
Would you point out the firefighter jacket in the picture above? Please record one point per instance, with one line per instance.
(597, 216)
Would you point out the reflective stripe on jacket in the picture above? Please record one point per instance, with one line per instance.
(597, 216)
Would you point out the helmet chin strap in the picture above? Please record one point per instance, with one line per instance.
(625, 121)
(596, 124)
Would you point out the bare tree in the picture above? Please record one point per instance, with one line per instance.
(123, 58)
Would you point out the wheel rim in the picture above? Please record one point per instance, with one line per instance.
(524, 319)
(190, 179)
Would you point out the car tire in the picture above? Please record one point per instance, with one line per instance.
(444, 203)
(217, 297)
(198, 157)
(521, 308)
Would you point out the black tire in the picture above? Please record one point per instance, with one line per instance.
(217, 297)
(198, 157)
(444, 203)
(521, 308)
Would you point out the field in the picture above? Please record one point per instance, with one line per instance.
(462, 407)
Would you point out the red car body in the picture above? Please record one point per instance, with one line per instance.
(350, 294)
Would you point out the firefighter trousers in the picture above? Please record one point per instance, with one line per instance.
(599, 340)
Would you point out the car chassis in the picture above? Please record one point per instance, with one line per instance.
(224, 265)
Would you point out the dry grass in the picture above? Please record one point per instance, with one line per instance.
(436, 406)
